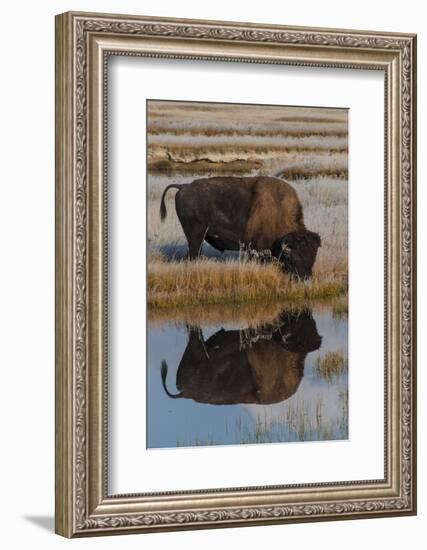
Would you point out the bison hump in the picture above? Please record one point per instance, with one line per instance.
(275, 211)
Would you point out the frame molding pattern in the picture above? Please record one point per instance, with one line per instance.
(83, 25)
(244, 514)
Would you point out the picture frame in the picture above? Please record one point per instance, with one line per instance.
(84, 43)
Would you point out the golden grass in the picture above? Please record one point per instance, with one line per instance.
(223, 152)
(331, 364)
(240, 168)
(299, 160)
(207, 281)
(295, 172)
(249, 140)
(335, 130)
(340, 309)
(248, 314)
(202, 166)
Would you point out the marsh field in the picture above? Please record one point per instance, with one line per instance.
(220, 298)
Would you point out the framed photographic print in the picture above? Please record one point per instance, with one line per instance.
(235, 274)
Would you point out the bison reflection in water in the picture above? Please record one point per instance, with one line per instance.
(262, 366)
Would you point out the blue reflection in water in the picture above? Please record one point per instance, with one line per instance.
(316, 409)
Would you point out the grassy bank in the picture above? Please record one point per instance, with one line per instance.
(207, 281)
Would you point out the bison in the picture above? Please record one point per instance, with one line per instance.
(260, 366)
(260, 213)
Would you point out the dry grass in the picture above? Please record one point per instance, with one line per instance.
(249, 140)
(247, 314)
(207, 281)
(309, 146)
(227, 152)
(325, 206)
(335, 130)
(209, 119)
(340, 309)
(331, 365)
(203, 166)
(299, 160)
(201, 111)
(310, 170)
(164, 233)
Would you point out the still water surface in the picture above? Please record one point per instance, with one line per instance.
(224, 383)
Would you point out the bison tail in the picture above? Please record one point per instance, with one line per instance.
(163, 211)
(164, 373)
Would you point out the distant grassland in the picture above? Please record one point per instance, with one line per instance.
(191, 138)
(300, 160)
(306, 146)
(294, 130)
(177, 118)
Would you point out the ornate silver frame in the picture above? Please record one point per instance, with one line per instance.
(83, 505)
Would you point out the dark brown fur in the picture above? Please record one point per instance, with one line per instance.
(297, 252)
(228, 212)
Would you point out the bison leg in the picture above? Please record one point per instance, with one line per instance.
(195, 236)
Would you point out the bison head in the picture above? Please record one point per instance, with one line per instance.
(297, 252)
